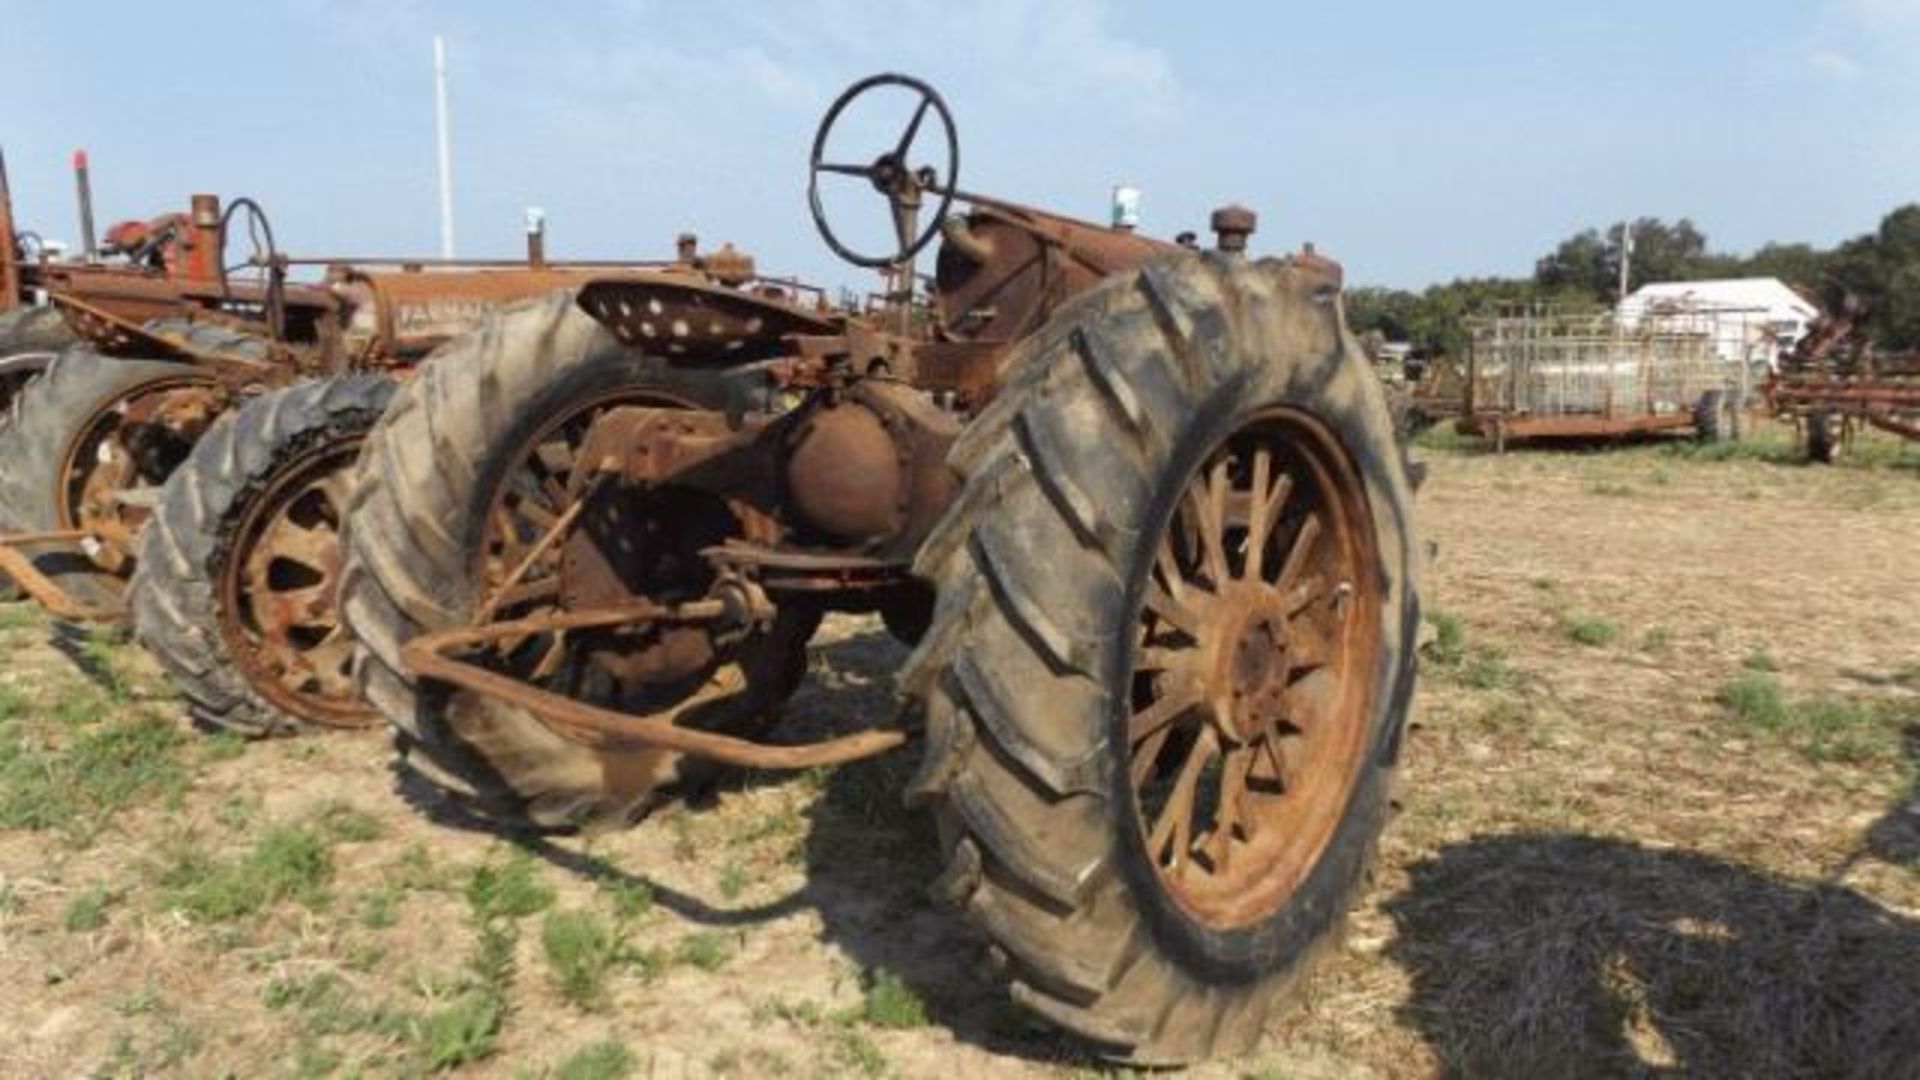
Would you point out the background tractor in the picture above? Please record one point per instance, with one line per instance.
(222, 403)
(1139, 509)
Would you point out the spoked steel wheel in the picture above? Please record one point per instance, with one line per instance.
(1249, 723)
(464, 477)
(124, 452)
(238, 585)
(1172, 653)
(278, 586)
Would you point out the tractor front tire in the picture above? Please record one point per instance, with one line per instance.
(1064, 680)
(292, 448)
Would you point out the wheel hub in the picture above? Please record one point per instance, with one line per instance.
(1252, 666)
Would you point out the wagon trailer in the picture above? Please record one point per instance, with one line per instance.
(189, 474)
(1542, 372)
(1138, 508)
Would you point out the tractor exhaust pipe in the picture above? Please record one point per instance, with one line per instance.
(10, 282)
(536, 237)
(204, 254)
(85, 187)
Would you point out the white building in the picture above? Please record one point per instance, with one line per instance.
(1750, 319)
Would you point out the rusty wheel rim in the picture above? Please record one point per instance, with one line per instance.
(132, 443)
(1252, 670)
(536, 493)
(279, 588)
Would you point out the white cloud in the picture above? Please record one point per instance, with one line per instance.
(1834, 64)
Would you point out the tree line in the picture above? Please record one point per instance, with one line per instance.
(1880, 268)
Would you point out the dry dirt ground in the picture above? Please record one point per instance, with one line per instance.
(1659, 813)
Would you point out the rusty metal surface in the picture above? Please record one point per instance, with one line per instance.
(11, 291)
(43, 590)
(429, 656)
(278, 580)
(818, 495)
(691, 321)
(1835, 371)
(1260, 612)
(1509, 426)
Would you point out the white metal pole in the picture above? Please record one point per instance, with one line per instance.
(446, 157)
(1626, 255)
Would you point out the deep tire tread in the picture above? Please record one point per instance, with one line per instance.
(173, 593)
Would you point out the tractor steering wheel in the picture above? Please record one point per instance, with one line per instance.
(892, 174)
(264, 258)
(259, 238)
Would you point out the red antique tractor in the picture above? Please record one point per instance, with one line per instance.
(186, 468)
(1139, 508)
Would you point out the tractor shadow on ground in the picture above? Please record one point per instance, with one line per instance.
(870, 863)
(1895, 838)
(89, 649)
(1566, 955)
(868, 860)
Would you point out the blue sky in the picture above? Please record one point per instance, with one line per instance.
(1414, 141)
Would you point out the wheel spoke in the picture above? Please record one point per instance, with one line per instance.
(1174, 829)
(1170, 706)
(1148, 755)
(913, 130)
(1173, 612)
(1207, 503)
(1268, 502)
(1169, 568)
(1233, 789)
(1303, 542)
(1153, 658)
(1301, 596)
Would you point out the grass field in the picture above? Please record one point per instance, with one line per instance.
(1660, 811)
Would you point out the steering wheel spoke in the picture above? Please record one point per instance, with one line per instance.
(844, 169)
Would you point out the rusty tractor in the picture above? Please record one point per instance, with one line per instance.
(1834, 381)
(145, 273)
(1139, 509)
(188, 473)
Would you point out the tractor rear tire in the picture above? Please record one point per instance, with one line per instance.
(206, 527)
(37, 330)
(218, 339)
(1028, 679)
(416, 535)
(1823, 437)
(46, 419)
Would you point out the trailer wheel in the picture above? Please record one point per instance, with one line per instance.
(1713, 417)
(238, 570)
(89, 442)
(456, 481)
(1823, 437)
(1172, 654)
